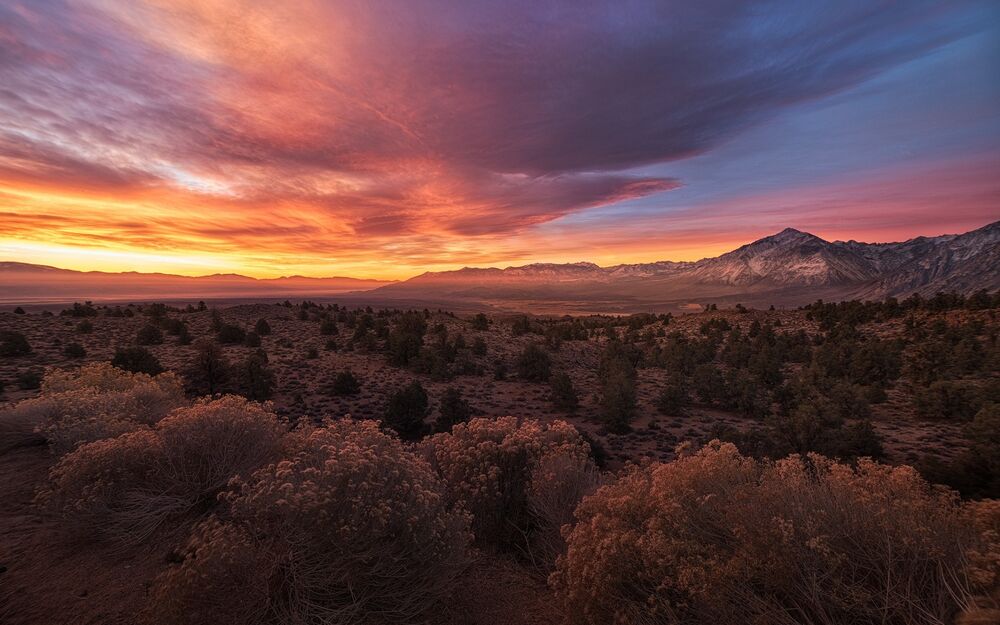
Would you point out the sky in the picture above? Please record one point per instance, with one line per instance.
(383, 139)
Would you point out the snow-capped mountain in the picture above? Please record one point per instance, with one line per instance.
(790, 267)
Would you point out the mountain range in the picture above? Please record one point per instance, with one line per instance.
(785, 269)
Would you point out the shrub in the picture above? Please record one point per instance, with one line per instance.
(328, 327)
(673, 399)
(230, 334)
(563, 394)
(346, 383)
(28, 380)
(984, 554)
(13, 344)
(618, 400)
(136, 360)
(975, 471)
(559, 482)
(351, 529)
(99, 401)
(406, 411)
(124, 489)
(947, 400)
(209, 369)
(452, 411)
(479, 346)
(19, 311)
(252, 339)
(254, 379)
(262, 328)
(149, 335)
(716, 537)
(534, 364)
(406, 338)
(487, 465)
(74, 350)
(480, 322)
(85, 327)
(19, 427)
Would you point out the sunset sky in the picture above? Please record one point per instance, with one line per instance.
(383, 139)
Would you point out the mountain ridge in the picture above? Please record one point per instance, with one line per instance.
(773, 267)
(790, 267)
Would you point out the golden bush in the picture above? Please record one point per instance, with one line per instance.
(352, 528)
(715, 537)
(126, 488)
(558, 483)
(487, 465)
(93, 402)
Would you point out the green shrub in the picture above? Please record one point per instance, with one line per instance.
(406, 410)
(346, 383)
(452, 410)
(136, 360)
(254, 379)
(74, 350)
(149, 335)
(209, 370)
(229, 334)
(947, 400)
(13, 344)
(28, 380)
(673, 399)
(534, 364)
(563, 394)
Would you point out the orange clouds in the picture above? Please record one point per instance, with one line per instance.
(385, 138)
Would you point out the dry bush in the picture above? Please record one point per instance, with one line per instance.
(126, 488)
(488, 465)
(716, 537)
(984, 555)
(19, 427)
(352, 528)
(559, 482)
(91, 403)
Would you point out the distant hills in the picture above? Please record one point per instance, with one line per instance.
(26, 283)
(785, 269)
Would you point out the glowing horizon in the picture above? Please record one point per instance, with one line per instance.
(381, 140)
